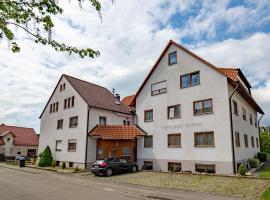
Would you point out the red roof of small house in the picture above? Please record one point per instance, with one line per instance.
(116, 132)
(22, 136)
(127, 100)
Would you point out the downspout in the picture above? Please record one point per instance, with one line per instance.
(259, 130)
(87, 131)
(231, 119)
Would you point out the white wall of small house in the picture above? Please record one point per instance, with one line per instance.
(212, 85)
(11, 150)
(243, 153)
(48, 127)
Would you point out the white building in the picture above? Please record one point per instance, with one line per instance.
(183, 119)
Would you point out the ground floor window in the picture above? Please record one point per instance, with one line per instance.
(57, 163)
(174, 166)
(148, 165)
(70, 164)
(72, 145)
(205, 168)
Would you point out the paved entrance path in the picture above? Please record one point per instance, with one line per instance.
(45, 185)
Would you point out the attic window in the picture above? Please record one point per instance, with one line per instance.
(8, 139)
(62, 87)
(172, 58)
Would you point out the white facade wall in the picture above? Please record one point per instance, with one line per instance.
(212, 85)
(48, 128)
(243, 153)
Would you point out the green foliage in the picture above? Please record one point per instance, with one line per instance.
(40, 154)
(46, 158)
(2, 157)
(63, 165)
(53, 163)
(262, 156)
(37, 12)
(254, 163)
(265, 141)
(266, 194)
(241, 170)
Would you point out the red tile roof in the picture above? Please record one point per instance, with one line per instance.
(127, 100)
(1, 141)
(116, 132)
(22, 136)
(231, 73)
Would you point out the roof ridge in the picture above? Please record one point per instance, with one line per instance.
(228, 68)
(16, 126)
(84, 81)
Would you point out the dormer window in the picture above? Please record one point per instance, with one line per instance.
(172, 58)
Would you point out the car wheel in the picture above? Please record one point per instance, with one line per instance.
(134, 168)
(109, 172)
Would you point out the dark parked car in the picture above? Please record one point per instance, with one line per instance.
(112, 166)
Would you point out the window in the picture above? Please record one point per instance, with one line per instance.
(128, 123)
(148, 115)
(252, 141)
(174, 140)
(70, 164)
(191, 79)
(11, 150)
(174, 167)
(60, 124)
(8, 139)
(257, 142)
(58, 145)
(174, 112)
(148, 141)
(255, 122)
(72, 101)
(65, 104)
(203, 107)
(237, 139)
(172, 58)
(250, 119)
(244, 114)
(99, 153)
(246, 140)
(73, 122)
(102, 121)
(159, 88)
(235, 108)
(72, 145)
(148, 165)
(205, 168)
(204, 139)
(124, 122)
(68, 104)
(19, 151)
(62, 87)
(56, 109)
(51, 108)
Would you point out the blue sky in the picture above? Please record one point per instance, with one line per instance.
(130, 37)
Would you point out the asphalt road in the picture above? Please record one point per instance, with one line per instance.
(44, 185)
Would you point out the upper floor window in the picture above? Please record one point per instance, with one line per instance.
(58, 145)
(159, 88)
(255, 122)
(244, 112)
(62, 87)
(174, 140)
(73, 122)
(69, 102)
(204, 139)
(172, 58)
(102, 121)
(191, 79)
(174, 111)
(246, 140)
(60, 124)
(126, 122)
(235, 107)
(252, 141)
(148, 115)
(237, 139)
(54, 107)
(257, 142)
(148, 141)
(203, 107)
(250, 119)
(72, 144)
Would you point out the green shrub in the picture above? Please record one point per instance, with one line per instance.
(254, 163)
(40, 154)
(2, 157)
(53, 163)
(46, 158)
(63, 165)
(262, 156)
(241, 170)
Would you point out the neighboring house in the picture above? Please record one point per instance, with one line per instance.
(73, 124)
(188, 115)
(18, 141)
(197, 117)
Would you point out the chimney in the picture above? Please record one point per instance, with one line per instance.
(117, 96)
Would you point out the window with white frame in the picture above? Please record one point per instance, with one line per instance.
(58, 145)
(72, 144)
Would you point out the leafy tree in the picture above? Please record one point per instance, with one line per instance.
(21, 13)
(265, 141)
(46, 158)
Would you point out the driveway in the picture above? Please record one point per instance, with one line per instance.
(44, 185)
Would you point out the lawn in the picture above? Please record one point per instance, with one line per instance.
(266, 194)
(265, 173)
(246, 188)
